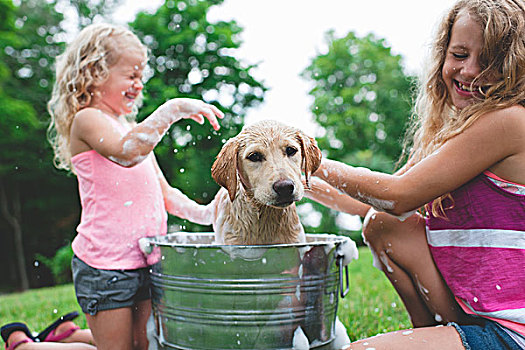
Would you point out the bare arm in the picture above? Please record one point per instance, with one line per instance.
(330, 197)
(180, 205)
(496, 141)
(92, 130)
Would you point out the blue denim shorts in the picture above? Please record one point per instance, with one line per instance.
(488, 335)
(99, 290)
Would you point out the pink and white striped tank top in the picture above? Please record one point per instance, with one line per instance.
(479, 248)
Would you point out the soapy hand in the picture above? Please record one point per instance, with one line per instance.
(187, 108)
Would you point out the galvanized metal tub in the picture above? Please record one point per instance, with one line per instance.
(209, 296)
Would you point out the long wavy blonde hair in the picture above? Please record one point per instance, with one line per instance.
(435, 120)
(83, 66)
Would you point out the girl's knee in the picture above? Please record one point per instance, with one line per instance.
(376, 227)
(382, 230)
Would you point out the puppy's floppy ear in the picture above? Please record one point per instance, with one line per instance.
(224, 169)
(311, 155)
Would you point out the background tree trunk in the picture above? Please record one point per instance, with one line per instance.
(14, 218)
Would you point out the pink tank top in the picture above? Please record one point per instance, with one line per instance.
(119, 206)
(479, 248)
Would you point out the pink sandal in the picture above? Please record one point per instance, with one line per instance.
(14, 345)
(52, 337)
(49, 335)
(10, 328)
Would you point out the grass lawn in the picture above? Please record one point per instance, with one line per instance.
(371, 306)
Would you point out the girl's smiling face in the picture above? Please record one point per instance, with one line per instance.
(462, 63)
(117, 94)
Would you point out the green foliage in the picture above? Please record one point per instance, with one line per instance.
(362, 99)
(60, 264)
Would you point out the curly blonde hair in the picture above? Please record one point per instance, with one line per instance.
(83, 66)
(435, 119)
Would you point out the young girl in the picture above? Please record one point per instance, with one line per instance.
(123, 193)
(462, 265)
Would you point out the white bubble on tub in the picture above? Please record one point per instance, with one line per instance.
(298, 292)
(328, 247)
(300, 341)
(348, 250)
(300, 271)
(341, 336)
(407, 332)
(303, 251)
(180, 250)
(245, 253)
(331, 298)
(150, 333)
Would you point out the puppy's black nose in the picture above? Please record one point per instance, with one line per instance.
(284, 189)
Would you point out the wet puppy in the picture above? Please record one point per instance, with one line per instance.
(260, 172)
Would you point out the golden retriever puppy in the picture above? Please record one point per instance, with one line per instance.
(260, 172)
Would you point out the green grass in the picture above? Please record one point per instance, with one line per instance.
(371, 306)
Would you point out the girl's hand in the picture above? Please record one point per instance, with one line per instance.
(197, 110)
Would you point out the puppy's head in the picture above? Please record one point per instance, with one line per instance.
(267, 157)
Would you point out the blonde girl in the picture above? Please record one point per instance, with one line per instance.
(123, 192)
(463, 264)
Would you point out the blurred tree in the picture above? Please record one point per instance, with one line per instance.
(29, 41)
(191, 57)
(362, 99)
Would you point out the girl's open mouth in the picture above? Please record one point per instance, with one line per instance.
(466, 89)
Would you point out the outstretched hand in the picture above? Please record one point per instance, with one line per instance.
(197, 110)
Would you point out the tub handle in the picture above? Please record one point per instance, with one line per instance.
(343, 291)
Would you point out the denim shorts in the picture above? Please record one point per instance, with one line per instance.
(99, 290)
(488, 335)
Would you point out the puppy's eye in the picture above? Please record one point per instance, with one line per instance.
(290, 151)
(255, 157)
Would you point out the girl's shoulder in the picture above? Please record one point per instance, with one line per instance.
(91, 115)
(511, 120)
(514, 114)
(89, 111)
